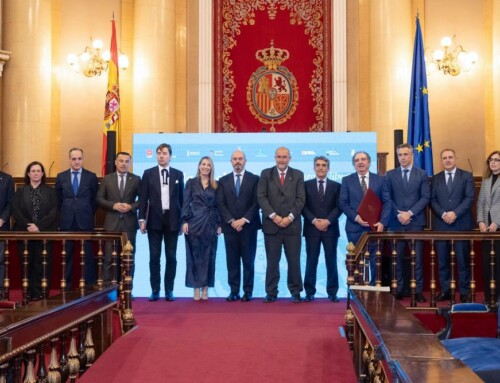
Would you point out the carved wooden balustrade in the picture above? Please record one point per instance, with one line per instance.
(357, 259)
(77, 323)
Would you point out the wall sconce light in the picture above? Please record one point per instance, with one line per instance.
(91, 62)
(452, 60)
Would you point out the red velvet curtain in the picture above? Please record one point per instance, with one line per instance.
(272, 65)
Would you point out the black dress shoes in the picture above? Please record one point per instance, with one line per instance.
(233, 297)
(155, 295)
(465, 298)
(421, 298)
(443, 296)
(296, 298)
(270, 298)
(247, 297)
(309, 298)
(333, 298)
(169, 297)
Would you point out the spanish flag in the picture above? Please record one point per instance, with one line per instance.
(111, 133)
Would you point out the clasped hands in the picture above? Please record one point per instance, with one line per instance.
(238, 224)
(282, 221)
(404, 217)
(483, 228)
(122, 207)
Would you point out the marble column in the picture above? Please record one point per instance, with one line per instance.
(154, 100)
(391, 46)
(26, 114)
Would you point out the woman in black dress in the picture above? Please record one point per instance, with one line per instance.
(34, 208)
(200, 225)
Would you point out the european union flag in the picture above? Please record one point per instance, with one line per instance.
(419, 130)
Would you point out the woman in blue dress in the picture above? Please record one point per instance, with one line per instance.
(201, 226)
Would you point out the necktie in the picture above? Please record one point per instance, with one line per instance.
(122, 184)
(164, 175)
(321, 190)
(282, 178)
(238, 184)
(75, 182)
(364, 187)
(449, 182)
(405, 177)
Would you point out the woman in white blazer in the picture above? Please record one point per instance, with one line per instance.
(488, 219)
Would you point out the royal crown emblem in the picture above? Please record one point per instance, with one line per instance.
(272, 91)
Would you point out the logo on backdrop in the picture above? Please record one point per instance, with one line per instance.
(272, 91)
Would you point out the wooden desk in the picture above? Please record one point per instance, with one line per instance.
(390, 344)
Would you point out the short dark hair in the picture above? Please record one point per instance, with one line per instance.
(28, 168)
(405, 145)
(322, 158)
(162, 146)
(122, 154)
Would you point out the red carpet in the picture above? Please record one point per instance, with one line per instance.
(217, 341)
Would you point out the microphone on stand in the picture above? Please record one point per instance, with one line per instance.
(470, 164)
(50, 167)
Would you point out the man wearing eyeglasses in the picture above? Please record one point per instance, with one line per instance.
(160, 204)
(452, 197)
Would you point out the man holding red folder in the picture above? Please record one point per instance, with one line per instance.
(355, 202)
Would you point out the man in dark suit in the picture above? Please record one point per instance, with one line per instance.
(118, 194)
(239, 210)
(281, 197)
(352, 191)
(407, 189)
(6, 195)
(452, 197)
(321, 226)
(162, 191)
(76, 190)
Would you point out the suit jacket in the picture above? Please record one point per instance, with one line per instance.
(282, 200)
(81, 207)
(6, 195)
(351, 196)
(414, 197)
(150, 208)
(22, 208)
(329, 209)
(244, 206)
(459, 200)
(109, 194)
(489, 202)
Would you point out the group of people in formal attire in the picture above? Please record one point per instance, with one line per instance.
(240, 204)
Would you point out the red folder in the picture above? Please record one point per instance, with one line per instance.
(370, 208)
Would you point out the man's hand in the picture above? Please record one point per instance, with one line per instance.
(379, 226)
(122, 207)
(142, 227)
(285, 222)
(321, 224)
(404, 217)
(238, 224)
(360, 221)
(1, 222)
(449, 217)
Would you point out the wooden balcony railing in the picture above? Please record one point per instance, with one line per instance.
(77, 322)
(357, 259)
(119, 240)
